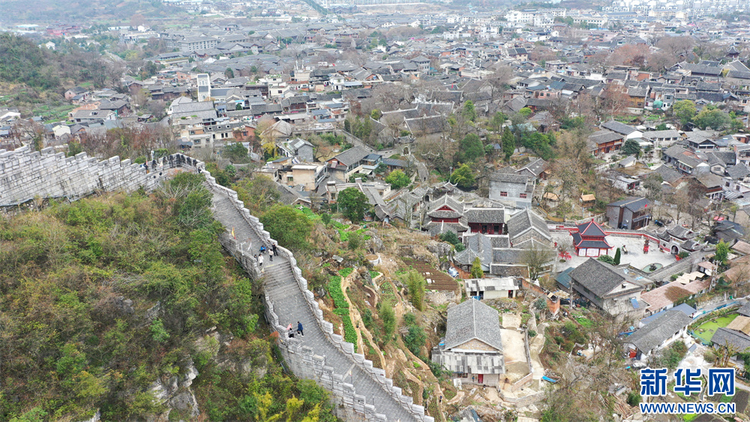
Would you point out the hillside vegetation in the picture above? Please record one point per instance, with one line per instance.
(24, 62)
(106, 298)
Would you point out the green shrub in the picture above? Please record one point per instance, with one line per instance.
(337, 294)
(634, 398)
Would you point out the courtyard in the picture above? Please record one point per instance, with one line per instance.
(634, 245)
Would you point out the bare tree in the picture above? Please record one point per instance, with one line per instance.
(537, 258)
(614, 99)
(498, 82)
(679, 48)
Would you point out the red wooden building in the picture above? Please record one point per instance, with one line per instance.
(590, 240)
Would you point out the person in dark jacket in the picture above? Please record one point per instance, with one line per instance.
(299, 329)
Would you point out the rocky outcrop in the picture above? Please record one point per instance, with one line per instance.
(175, 393)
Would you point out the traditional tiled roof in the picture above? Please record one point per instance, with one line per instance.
(591, 229)
(485, 215)
(618, 127)
(603, 279)
(351, 156)
(724, 336)
(471, 320)
(526, 220)
(654, 334)
(632, 203)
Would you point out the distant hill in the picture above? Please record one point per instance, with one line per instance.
(81, 11)
(24, 62)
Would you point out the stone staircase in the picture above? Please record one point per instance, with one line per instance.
(321, 355)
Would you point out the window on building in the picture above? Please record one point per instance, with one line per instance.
(523, 195)
(503, 193)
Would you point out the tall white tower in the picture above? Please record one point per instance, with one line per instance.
(204, 86)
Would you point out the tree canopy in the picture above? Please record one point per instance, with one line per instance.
(398, 179)
(470, 148)
(104, 296)
(289, 226)
(463, 177)
(684, 110)
(353, 204)
(631, 147)
(509, 143)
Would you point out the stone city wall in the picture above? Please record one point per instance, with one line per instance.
(25, 175)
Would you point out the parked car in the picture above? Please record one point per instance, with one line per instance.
(659, 223)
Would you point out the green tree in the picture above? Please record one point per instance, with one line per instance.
(722, 252)
(476, 268)
(376, 114)
(617, 257)
(684, 110)
(606, 258)
(415, 283)
(229, 73)
(497, 121)
(631, 147)
(525, 112)
(470, 149)
(353, 204)
(355, 241)
(236, 152)
(509, 143)
(713, 118)
(469, 112)
(463, 177)
(415, 337)
(398, 179)
(259, 193)
(288, 226)
(388, 317)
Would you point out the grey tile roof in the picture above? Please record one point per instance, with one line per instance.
(604, 136)
(477, 246)
(600, 278)
(724, 336)
(446, 200)
(470, 320)
(500, 241)
(352, 155)
(633, 203)
(661, 329)
(738, 172)
(485, 215)
(535, 167)
(509, 175)
(618, 127)
(526, 220)
(668, 174)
